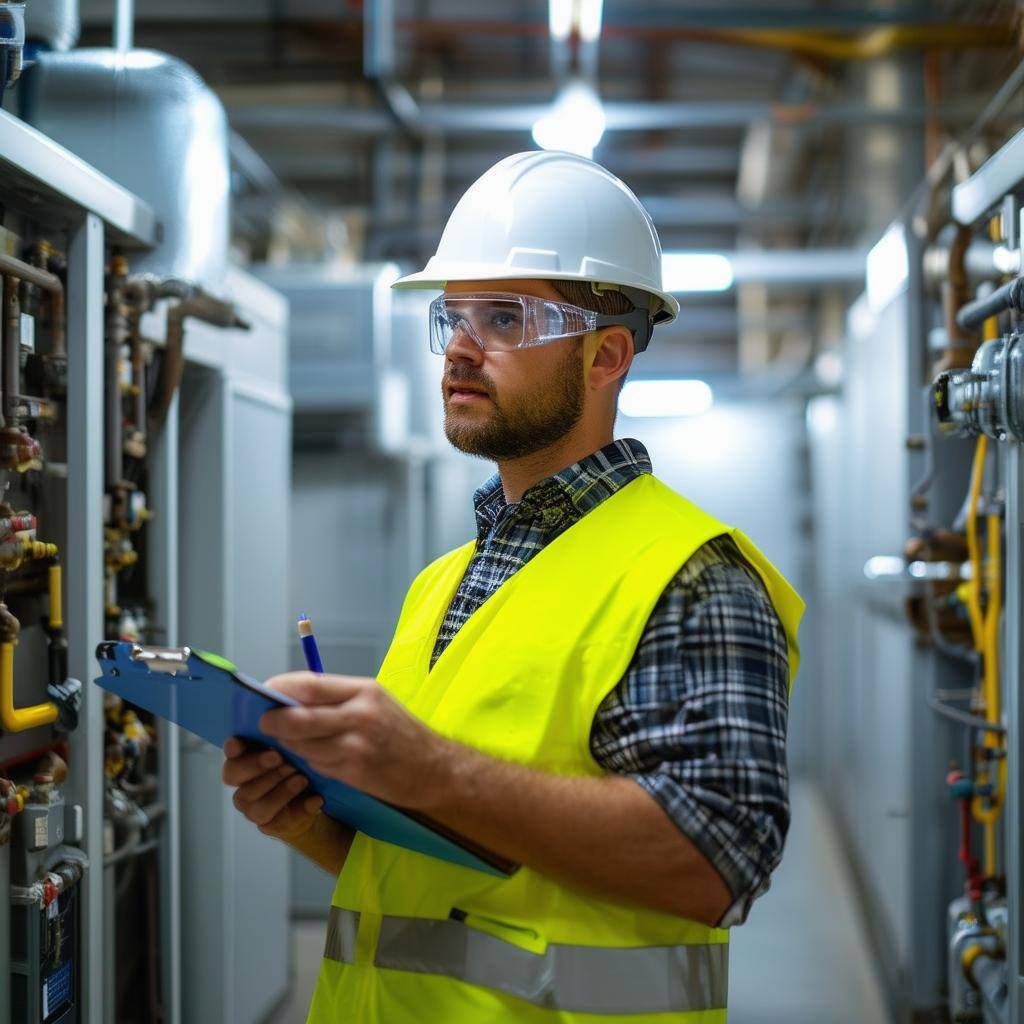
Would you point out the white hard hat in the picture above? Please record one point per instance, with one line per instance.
(551, 216)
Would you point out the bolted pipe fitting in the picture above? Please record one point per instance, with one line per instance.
(988, 398)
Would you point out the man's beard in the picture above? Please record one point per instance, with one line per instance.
(536, 422)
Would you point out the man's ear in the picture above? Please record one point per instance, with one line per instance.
(613, 353)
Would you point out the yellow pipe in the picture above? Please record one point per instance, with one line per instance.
(993, 611)
(873, 44)
(988, 814)
(56, 608)
(973, 549)
(987, 810)
(19, 719)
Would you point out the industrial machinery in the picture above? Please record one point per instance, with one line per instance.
(46, 863)
(122, 517)
(979, 397)
(918, 485)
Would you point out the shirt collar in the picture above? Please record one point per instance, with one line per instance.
(581, 486)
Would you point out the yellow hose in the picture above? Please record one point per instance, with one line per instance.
(56, 608)
(973, 547)
(19, 719)
(987, 810)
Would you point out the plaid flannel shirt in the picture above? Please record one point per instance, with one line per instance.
(699, 718)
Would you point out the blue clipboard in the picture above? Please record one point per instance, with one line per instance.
(207, 695)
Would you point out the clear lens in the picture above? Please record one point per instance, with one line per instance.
(500, 323)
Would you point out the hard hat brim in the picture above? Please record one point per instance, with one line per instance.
(428, 279)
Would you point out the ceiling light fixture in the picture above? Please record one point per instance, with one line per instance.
(696, 272)
(560, 18)
(665, 398)
(575, 122)
(588, 19)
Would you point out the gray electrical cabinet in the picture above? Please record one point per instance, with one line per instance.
(122, 860)
(234, 516)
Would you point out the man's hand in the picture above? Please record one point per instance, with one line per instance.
(350, 728)
(269, 791)
(605, 835)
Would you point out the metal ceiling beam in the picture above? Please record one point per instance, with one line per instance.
(488, 119)
(729, 16)
(676, 161)
(669, 212)
(626, 13)
(251, 165)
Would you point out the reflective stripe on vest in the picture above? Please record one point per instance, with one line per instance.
(577, 979)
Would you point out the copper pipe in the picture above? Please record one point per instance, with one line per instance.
(116, 334)
(11, 360)
(200, 306)
(33, 275)
(58, 341)
(41, 253)
(960, 345)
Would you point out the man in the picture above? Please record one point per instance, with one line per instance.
(595, 687)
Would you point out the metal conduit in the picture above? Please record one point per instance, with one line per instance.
(1009, 296)
(32, 275)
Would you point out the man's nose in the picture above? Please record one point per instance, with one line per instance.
(464, 347)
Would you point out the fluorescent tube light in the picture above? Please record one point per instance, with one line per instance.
(575, 123)
(589, 13)
(883, 567)
(560, 14)
(665, 398)
(696, 272)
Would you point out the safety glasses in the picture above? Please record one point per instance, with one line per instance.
(500, 322)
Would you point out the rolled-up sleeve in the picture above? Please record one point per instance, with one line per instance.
(699, 718)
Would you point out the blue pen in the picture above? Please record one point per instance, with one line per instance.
(309, 647)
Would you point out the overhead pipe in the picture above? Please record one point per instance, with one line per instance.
(621, 115)
(815, 37)
(379, 64)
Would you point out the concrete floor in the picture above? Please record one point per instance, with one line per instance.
(801, 958)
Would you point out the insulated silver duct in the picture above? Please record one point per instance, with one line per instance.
(148, 121)
(53, 23)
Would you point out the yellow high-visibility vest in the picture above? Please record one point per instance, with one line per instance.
(416, 940)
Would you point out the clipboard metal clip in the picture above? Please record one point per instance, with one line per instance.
(169, 660)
